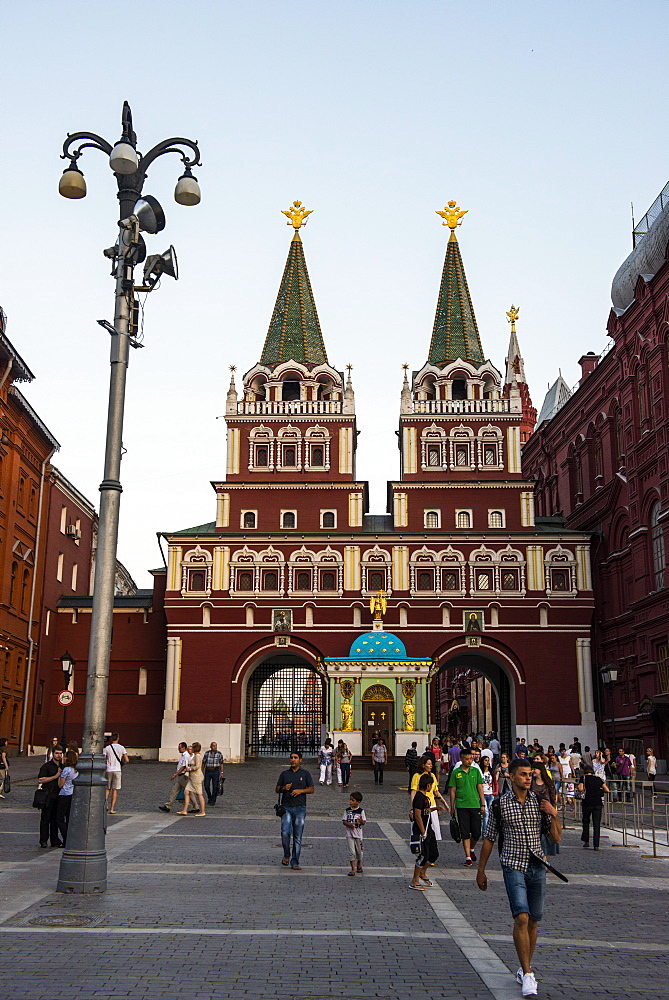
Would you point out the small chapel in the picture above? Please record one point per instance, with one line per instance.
(296, 612)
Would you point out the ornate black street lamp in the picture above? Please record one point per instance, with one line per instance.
(68, 663)
(609, 675)
(83, 866)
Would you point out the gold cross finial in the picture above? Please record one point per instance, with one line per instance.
(233, 368)
(511, 317)
(405, 367)
(349, 369)
(296, 215)
(452, 215)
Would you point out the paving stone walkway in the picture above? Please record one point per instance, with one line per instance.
(203, 909)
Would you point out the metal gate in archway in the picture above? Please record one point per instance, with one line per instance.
(284, 710)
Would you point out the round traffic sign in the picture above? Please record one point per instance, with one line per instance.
(65, 698)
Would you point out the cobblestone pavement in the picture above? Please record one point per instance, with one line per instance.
(203, 909)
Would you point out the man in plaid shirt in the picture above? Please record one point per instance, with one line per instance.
(212, 762)
(524, 874)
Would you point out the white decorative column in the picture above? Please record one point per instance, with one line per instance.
(586, 700)
(171, 733)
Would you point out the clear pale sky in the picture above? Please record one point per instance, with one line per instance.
(543, 120)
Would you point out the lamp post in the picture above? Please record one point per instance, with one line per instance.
(609, 675)
(83, 866)
(68, 669)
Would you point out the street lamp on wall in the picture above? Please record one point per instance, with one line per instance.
(609, 675)
(67, 663)
(83, 866)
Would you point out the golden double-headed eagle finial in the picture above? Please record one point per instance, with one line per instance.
(296, 215)
(511, 317)
(452, 215)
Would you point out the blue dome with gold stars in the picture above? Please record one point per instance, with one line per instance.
(378, 646)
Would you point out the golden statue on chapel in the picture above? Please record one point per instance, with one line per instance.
(347, 689)
(378, 605)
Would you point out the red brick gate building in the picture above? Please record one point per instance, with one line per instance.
(269, 636)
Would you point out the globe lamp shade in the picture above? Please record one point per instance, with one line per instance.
(150, 214)
(123, 158)
(72, 184)
(187, 191)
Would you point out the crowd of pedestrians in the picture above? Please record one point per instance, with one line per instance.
(489, 796)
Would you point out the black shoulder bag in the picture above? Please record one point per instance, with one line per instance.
(278, 808)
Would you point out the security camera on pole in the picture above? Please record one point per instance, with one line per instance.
(83, 866)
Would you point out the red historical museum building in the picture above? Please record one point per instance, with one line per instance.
(295, 611)
(599, 459)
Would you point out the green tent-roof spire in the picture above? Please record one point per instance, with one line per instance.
(294, 332)
(455, 333)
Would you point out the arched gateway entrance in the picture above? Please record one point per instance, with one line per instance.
(284, 708)
(458, 693)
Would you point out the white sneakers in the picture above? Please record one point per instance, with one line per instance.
(529, 985)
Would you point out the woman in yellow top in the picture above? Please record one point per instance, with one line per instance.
(432, 794)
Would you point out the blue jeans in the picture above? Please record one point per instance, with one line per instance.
(345, 774)
(292, 822)
(526, 890)
(211, 776)
(488, 803)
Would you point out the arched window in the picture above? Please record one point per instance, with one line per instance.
(21, 491)
(431, 519)
(303, 580)
(288, 519)
(196, 580)
(657, 541)
(328, 580)
(459, 389)
(317, 455)
(289, 455)
(12, 582)
(328, 519)
(463, 519)
(19, 671)
(249, 519)
(262, 455)
(425, 579)
(641, 395)
(495, 519)
(15, 719)
(620, 439)
(433, 455)
(376, 579)
(25, 587)
(560, 571)
(270, 580)
(244, 580)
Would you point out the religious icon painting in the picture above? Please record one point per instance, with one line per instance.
(282, 620)
(473, 621)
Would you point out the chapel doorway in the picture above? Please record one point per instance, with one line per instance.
(378, 718)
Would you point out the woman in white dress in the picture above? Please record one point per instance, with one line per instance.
(567, 779)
